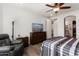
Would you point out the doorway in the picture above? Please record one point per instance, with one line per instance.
(70, 26)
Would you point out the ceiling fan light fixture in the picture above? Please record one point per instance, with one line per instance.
(56, 9)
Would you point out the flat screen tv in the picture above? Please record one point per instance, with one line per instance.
(36, 27)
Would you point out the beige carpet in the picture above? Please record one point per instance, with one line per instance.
(33, 50)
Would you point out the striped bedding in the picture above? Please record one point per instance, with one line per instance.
(60, 46)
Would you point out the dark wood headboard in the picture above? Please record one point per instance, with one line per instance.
(37, 37)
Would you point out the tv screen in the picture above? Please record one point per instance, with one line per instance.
(37, 27)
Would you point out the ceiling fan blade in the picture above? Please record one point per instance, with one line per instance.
(56, 4)
(61, 4)
(49, 5)
(65, 7)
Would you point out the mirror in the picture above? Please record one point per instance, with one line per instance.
(70, 26)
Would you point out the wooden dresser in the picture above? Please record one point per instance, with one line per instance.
(37, 37)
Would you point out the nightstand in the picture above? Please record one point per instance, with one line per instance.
(24, 40)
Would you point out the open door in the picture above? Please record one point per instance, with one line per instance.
(70, 26)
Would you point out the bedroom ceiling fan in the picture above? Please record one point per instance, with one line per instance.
(57, 6)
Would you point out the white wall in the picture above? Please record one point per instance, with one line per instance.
(1, 19)
(59, 24)
(49, 28)
(23, 20)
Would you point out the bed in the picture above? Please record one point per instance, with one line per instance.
(60, 46)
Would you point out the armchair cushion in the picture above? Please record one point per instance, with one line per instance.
(6, 48)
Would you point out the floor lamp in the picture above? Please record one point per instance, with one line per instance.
(13, 30)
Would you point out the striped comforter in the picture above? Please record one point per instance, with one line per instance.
(60, 46)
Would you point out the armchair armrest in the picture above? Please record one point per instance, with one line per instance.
(16, 42)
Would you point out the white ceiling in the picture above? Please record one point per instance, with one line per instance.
(40, 8)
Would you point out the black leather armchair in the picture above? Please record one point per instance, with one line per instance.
(10, 48)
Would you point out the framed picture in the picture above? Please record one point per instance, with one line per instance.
(36, 27)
